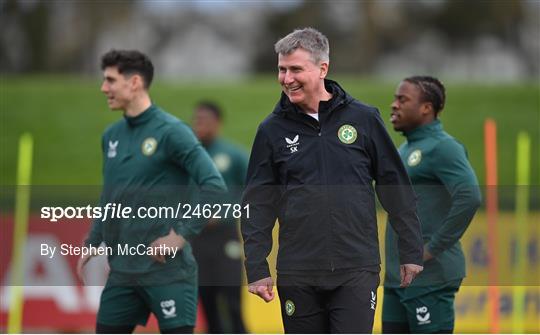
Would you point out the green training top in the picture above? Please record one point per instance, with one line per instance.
(148, 161)
(448, 196)
(232, 163)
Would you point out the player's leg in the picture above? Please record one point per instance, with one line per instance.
(352, 303)
(216, 271)
(303, 309)
(433, 312)
(174, 305)
(178, 330)
(389, 327)
(107, 329)
(120, 310)
(229, 266)
(232, 296)
(394, 314)
(209, 300)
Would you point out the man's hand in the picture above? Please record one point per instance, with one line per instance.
(264, 288)
(80, 266)
(172, 240)
(408, 272)
(427, 254)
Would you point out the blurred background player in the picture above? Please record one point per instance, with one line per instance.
(217, 249)
(448, 197)
(148, 155)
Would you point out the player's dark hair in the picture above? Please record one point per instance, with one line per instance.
(432, 89)
(130, 62)
(212, 107)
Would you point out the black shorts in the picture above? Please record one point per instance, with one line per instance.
(342, 302)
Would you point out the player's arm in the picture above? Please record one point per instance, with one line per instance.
(95, 236)
(453, 169)
(242, 168)
(397, 197)
(186, 151)
(240, 173)
(261, 195)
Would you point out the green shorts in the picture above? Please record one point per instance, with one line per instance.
(424, 309)
(174, 305)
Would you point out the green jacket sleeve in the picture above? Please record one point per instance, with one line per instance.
(185, 150)
(95, 237)
(240, 172)
(456, 174)
(242, 168)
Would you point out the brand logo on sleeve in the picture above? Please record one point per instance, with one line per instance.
(293, 144)
(112, 149)
(222, 161)
(289, 307)
(347, 134)
(149, 146)
(414, 158)
(233, 250)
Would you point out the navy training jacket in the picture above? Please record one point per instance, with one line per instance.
(316, 178)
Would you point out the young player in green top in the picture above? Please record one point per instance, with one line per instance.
(448, 197)
(149, 156)
(217, 249)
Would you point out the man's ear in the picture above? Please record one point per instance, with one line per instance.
(324, 69)
(136, 82)
(427, 108)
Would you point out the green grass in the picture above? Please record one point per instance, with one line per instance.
(66, 116)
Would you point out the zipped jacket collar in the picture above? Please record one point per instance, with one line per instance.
(142, 118)
(339, 97)
(424, 131)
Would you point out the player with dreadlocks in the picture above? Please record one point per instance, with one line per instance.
(448, 197)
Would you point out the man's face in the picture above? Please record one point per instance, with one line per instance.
(205, 125)
(300, 77)
(118, 88)
(407, 107)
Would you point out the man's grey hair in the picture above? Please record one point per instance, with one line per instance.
(309, 39)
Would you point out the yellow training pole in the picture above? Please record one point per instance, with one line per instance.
(20, 232)
(523, 162)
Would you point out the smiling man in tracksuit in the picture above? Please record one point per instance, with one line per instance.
(149, 157)
(448, 197)
(312, 166)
